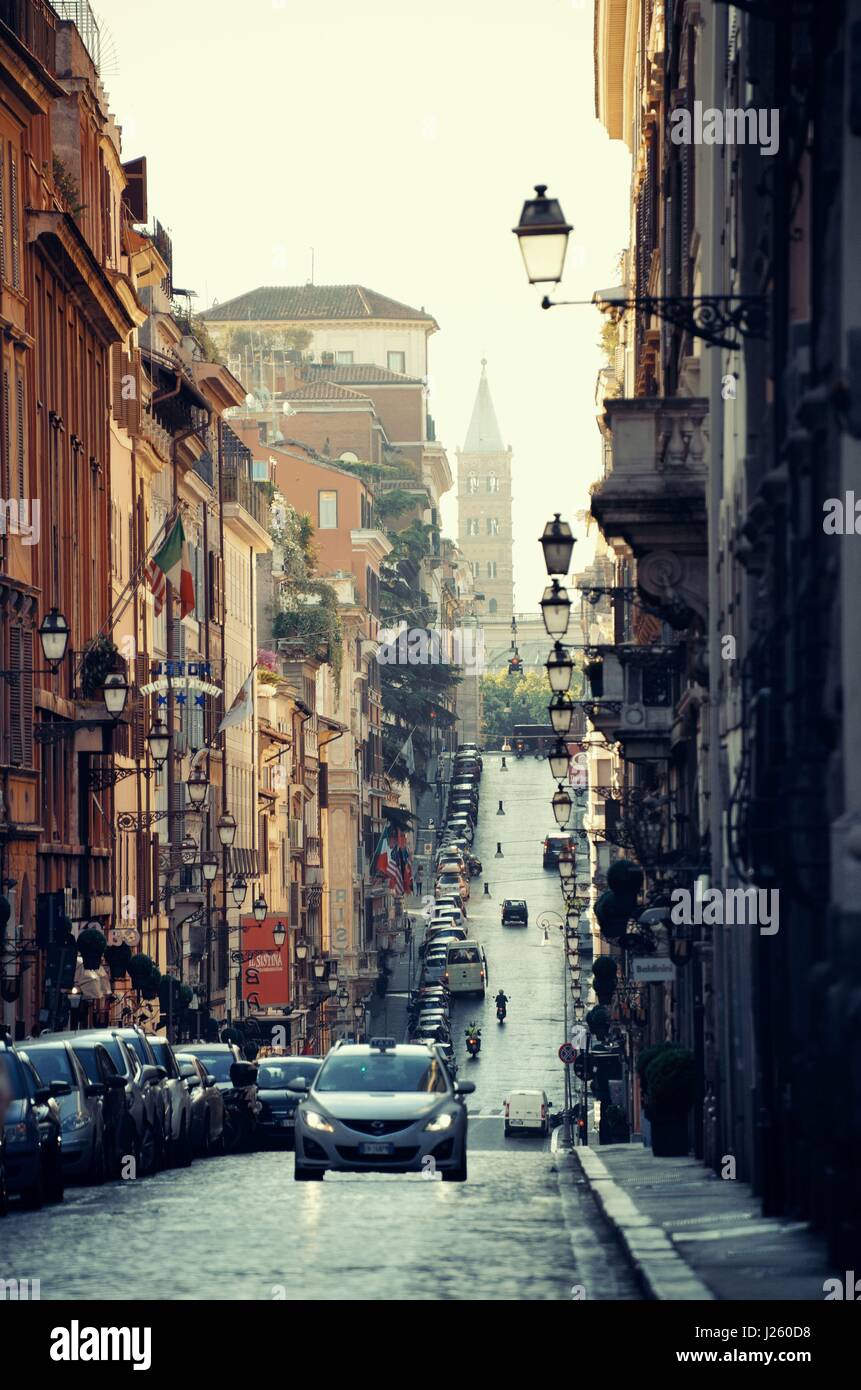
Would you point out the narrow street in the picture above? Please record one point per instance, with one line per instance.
(518, 1229)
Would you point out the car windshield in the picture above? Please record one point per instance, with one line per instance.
(384, 1071)
(137, 1042)
(218, 1064)
(464, 955)
(52, 1064)
(276, 1073)
(15, 1079)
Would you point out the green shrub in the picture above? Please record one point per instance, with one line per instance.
(671, 1082)
(91, 947)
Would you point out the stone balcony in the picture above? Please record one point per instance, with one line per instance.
(633, 697)
(652, 497)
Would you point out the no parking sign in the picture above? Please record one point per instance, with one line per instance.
(567, 1054)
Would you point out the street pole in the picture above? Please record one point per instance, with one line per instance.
(585, 1130)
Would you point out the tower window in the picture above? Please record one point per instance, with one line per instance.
(492, 483)
(493, 526)
(491, 569)
(492, 605)
(397, 362)
(472, 483)
(472, 526)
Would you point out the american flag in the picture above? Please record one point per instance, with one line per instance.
(392, 860)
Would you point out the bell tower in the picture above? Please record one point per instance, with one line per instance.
(484, 507)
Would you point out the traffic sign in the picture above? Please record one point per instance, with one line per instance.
(567, 1053)
(579, 1034)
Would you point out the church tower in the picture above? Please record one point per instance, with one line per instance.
(484, 507)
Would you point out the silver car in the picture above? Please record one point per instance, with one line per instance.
(383, 1107)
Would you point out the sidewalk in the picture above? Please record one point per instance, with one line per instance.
(692, 1235)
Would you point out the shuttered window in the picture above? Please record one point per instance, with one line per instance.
(2, 214)
(15, 223)
(20, 431)
(21, 696)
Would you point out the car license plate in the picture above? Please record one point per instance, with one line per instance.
(376, 1148)
(283, 1123)
(515, 1122)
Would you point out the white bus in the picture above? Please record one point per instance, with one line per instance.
(466, 968)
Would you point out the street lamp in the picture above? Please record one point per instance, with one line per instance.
(566, 866)
(259, 909)
(358, 1012)
(115, 692)
(54, 636)
(343, 997)
(561, 712)
(333, 970)
(558, 759)
(226, 827)
(319, 967)
(279, 934)
(555, 609)
(559, 667)
(158, 739)
(209, 866)
(198, 786)
(557, 542)
(239, 888)
(561, 805)
(301, 948)
(542, 234)
(188, 850)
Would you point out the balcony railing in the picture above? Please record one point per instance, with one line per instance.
(633, 697)
(238, 488)
(313, 850)
(35, 24)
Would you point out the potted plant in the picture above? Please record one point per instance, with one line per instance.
(91, 947)
(118, 959)
(670, 1081)
(98, 661)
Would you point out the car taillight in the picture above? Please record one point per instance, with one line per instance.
(546, 844)
(543, 1113)
(445, 976)
(482, 974)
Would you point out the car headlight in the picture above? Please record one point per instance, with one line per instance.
(316, 1121)
(444, 1120)
(75, 1122)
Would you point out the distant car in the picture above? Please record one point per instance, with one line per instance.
(84, 1150)
(32, 1132)
(278, 1103)
(554, 844)
(178, 1103)
(515, 912)
(207, 1106)
(466, 968)
(527, 1112)
(382, 1107)
(236, 1079)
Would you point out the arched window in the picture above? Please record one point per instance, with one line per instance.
(472, 483)
(492, 483)
(491, 569)
(493, 526)
(492, 605)
(472, 526)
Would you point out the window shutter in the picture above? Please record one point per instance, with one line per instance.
(16, 698)
(2, 214)
(118, 368)
(132, 403)
(21, 430)
(7, 437)
(15, 224)
(140, 708)
(323, 785)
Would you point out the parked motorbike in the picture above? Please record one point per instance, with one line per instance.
(475, 867)
(473, 1042)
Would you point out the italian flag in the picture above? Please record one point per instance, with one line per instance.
(171, 563)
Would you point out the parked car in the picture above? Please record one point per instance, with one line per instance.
(236, 1079)
(278, 1103)
(382, 1107)
(515, 912)
(32, 1134)
(84, 1147)
(447, 898)
(144, 1141)
(554, 843)
(452, 881)
(527, 1112)
(206, 1104)
(178, 1101)
(137, 1042)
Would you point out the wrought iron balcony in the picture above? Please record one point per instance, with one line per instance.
(633, 692)
(238, 488)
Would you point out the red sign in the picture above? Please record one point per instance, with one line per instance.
(265, 970)
(567, 1054)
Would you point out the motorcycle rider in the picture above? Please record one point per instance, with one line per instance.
(501, 1000)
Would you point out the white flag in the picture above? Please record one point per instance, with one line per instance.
(408, 755)
(242, 707)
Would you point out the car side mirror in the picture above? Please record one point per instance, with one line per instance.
(299, 1085)
(192, 1081)
(96, 1089)
(150, 1075)
(210, 1080)
(162, 1073)
(464, 1088)
(60, 1088)
(243, 1074)
(42, 1095)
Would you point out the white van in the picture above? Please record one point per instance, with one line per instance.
(527, 1112)
(466, 968)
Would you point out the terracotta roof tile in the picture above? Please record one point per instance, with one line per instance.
(312, 302)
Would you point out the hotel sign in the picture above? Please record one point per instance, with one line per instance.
(183, 677)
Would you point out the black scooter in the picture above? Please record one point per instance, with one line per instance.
(473, 1043)
(500, 1013)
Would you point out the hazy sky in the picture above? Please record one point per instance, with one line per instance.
(399, 138)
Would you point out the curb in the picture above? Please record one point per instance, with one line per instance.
(661, 1270)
